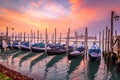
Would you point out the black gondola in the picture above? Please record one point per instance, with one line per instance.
(94, 54)
(37, 49)
(79, 52)
(57, 49)
(25, 47)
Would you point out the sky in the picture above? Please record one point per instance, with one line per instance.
(27, 15)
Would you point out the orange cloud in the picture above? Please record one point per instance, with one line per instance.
(24, 22)
(51, 14)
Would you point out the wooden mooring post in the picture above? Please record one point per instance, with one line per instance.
(41, 37)
(86, 43)
(24, 37)
(108, 42)
(28, 38)
(103, 42)
(13, 37)
(46, 40)
(55, 35)
(31, 36)
(60, 37)
(38, 36)
(34, 37)
(67, 40)
(100, 39)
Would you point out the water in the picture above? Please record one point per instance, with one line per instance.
(39, 66)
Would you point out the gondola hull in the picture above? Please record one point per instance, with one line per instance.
(75, 54)
(37, 49)
(94, 56)
(25, 48)
(16, 47)
(56, 52)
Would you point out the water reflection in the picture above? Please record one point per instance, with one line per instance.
(9, 52)
(3, 56)
(52, 63)
(74, 65)
(26, 57)
(58, 67)
(35, 61)
(92, 69)
(17, 55)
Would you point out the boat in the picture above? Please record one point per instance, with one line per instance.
(79, 52)
(55, 49)
(25, 47)
(38, 47)
(16, 45)
(94, 53)
(0, 45)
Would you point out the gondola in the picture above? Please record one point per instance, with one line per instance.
(57, 49)
(25, 47)
(16, 45)
(94, 54)
(38, 47)
(79, 52)
(0, 45)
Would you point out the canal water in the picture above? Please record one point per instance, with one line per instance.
(40, 66)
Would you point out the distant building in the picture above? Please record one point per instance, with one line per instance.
(83, 37)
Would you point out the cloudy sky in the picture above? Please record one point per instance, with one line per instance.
(26, 15)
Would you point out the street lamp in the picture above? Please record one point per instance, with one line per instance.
(116, 17)
(7, 28)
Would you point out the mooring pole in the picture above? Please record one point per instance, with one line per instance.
(86, 40)
(12, 36)
(46, 40)
(37, 36)
(118, 46)
(108, 48)
(24, 36)
(55, 35)
(34, 37)
(112, 16)
(28, 38)
(76, 39)
(68, 36)
(31, 38)
(103, 41)
(41, 37)
(106, 41)
(100, 39)
(60, 37)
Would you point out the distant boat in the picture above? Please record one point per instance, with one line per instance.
(77, 52)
